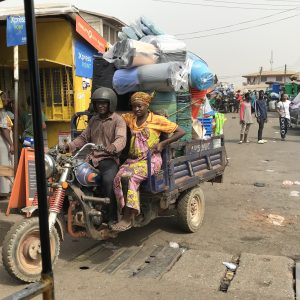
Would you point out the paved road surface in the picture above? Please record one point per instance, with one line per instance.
(239, 226)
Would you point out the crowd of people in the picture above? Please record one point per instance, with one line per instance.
(252, 102)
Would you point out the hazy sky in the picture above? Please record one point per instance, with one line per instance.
(227, 54)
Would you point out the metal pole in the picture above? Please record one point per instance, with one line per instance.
(38, 142)
(284, 78)
(260, 71)
(16, 107)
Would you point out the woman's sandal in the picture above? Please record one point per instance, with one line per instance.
(121, 227)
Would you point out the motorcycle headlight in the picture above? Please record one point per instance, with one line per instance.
(49, 166)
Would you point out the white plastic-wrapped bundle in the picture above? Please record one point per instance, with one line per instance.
(130, 53)
(171, 49)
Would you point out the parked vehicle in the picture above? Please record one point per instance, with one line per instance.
(295, 116)
(75, 207)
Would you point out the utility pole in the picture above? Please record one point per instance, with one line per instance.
(284, 78)
(260, 71)
(16, 106)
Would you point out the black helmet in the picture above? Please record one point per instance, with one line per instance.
(107, 94)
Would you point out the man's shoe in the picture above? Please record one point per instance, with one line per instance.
(260, 142)
(240, 142)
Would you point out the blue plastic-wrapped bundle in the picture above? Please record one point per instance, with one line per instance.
(154, 29)
(126, 80)
(201, 77)
(130, 33)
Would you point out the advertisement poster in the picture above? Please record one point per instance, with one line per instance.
(15, 31)
(90, 34)
(84, 59)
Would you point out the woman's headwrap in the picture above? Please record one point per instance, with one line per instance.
(142, 97)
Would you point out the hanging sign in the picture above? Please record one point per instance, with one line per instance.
(84, 59)
(90, 34)
(15, 31)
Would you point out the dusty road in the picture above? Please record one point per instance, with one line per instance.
(239, 222)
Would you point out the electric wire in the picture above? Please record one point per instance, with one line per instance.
(236, 24)
(241, 3)
(220, 6)
(240, 29)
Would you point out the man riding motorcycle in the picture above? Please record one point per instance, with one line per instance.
(106, 128)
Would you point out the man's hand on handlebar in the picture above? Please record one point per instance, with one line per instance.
(111, 149)
(63, 148)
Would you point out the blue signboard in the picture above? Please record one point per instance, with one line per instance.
(15, 31)
(84, 59)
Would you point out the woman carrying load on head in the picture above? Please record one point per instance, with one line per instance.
(145, 127)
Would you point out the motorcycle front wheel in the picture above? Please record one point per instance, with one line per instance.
(21, 252)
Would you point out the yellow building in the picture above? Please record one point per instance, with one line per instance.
(63, 33)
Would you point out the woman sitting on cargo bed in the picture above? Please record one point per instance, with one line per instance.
(145, 128)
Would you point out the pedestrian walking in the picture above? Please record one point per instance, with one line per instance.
(261, 115)
(238, 101)
(283, 109)
(245, 118)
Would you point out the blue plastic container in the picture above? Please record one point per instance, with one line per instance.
(207, 124)
(276, 88)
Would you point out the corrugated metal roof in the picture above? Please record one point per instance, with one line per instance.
(50, 9)
(110, 18)
(40, 10)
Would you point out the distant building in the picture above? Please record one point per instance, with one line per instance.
(266, 77)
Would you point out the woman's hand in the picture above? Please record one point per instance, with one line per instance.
(159, 147)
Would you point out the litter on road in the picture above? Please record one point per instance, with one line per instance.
(294, 194)
(174, 245)
(276, 219)
(259, 184)
(287, 183)
(230, 266)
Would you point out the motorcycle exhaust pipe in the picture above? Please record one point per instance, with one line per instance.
(96, 199)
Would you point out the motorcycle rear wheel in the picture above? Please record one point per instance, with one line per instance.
(190, 210)
(21, 252)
